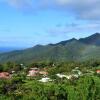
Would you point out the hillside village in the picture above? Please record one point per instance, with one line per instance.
(42, 74)
(49, 49)
(50, 81)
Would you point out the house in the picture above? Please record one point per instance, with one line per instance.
(12, 71)
(34, 68)
(77, 72)
(75, 76)
(64, 76)
(68, 76)
(98, 71)
(4, 75)
(44, 73)
(46, 79)
(61, 75)
(33, 72)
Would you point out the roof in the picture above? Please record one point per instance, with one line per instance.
(64, 76)
(46, 79)
(43, 72)
(4, 75)
(98, 71)
(34, 68)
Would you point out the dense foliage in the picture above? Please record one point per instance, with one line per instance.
(86, 88)
(19, 87)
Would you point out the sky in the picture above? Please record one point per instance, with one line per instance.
(25, 23)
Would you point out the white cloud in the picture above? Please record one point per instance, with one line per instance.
(74, 28)
(83, 9)
(19, 3)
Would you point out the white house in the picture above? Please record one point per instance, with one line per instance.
(46, 79)
(77, 71)
(64, 76)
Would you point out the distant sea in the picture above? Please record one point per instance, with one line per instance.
(8, 49)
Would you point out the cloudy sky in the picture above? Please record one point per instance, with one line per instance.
(25, 23)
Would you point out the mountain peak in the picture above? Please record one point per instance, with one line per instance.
(73, 39)
(96, 35)
(68, 50)
(64, 42)
(92, 40)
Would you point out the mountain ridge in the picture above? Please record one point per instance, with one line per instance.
(93, 39)
(69, 50)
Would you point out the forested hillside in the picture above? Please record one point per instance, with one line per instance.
(70, 50)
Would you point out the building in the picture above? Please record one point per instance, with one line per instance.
(64, 76)
(44, 73)
(98, 71)
(33, 72)
(46, 79)
(75, 71)
(4, 75)
(68, 76)
(36, 71)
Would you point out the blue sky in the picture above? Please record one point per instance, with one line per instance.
(25, 23)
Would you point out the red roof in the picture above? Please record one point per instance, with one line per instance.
(98, 71)
(33, 73)
(4, 75)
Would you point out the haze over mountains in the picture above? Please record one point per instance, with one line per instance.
(8, 49)
(70, 50)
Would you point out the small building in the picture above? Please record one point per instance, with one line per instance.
(46, 79)
(34, 68)
(12, 71)
(64, 76)
(33, 72)
(75, 71)
(75, 76)
(44, 73)
(98, 71)
(4, 75)
(68, 76)
(61, 75)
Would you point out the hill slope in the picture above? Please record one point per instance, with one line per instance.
(70, 50)
(92, 40)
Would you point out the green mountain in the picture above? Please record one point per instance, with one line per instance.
(92, 40)
(70, 50)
